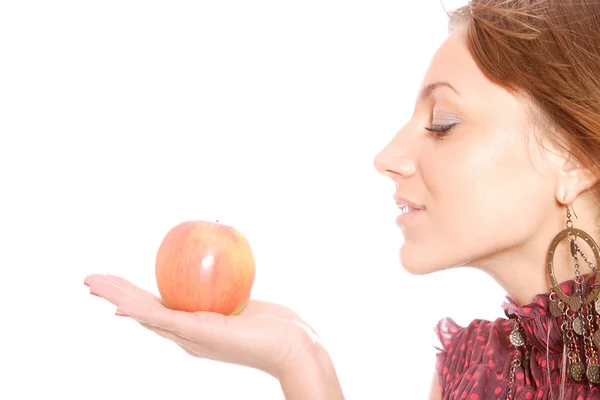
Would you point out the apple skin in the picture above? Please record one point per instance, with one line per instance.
(205, 266)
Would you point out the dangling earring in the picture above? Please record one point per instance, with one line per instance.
(519, 341)
(579, 314)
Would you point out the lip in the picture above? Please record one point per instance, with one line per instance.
(410, 210)
(407, 217)
(400, 201)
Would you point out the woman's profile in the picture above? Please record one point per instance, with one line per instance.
(496, 169)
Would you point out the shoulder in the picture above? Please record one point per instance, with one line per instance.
(452, 335)
(466, 349)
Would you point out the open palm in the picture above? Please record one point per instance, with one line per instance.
(266, 336)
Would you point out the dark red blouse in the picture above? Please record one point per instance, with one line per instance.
(474, 361)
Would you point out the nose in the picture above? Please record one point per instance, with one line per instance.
(395, 159)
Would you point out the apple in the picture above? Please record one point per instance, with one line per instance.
(205, 266)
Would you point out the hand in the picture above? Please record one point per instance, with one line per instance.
(265, 336)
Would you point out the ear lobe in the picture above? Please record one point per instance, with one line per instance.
(573, 182)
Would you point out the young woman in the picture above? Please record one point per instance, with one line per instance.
(498, 169)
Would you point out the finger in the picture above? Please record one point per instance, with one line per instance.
(117, 290)
(191, 353)
(204, 331)
(183, 343)
(108, 289)
(133, 289)
(211, 330)
(93, 281)
(181, 323)
(229, 339)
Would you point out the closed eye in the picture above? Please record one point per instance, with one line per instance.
(441, 130)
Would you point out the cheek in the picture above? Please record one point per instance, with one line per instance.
(460, 181)
(476, 177)
(477, 199)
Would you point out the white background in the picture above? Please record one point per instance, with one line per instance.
(120, 119)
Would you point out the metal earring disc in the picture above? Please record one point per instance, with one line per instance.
(550, 261)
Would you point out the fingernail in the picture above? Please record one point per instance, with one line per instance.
(86, 284)
(94, 293)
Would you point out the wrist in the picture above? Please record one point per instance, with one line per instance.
(312, 376)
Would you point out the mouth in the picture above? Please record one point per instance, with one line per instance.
(408, 210)
(405, 208)
(407, 205)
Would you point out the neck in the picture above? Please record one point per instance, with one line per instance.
(523, 271)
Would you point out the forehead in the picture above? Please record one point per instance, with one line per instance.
(453, 63)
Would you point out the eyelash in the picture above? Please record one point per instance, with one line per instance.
(441, 130)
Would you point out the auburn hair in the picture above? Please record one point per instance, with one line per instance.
(548, 51)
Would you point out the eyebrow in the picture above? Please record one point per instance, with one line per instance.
(427, 90)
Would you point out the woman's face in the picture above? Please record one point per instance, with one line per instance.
(485, 187)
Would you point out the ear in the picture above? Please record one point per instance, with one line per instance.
(573, 180)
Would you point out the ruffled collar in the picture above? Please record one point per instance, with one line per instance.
(541, 328)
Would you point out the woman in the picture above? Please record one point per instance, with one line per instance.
(499, 161)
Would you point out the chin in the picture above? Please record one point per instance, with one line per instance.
(417, 260)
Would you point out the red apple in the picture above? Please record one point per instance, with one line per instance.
(205, 266)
